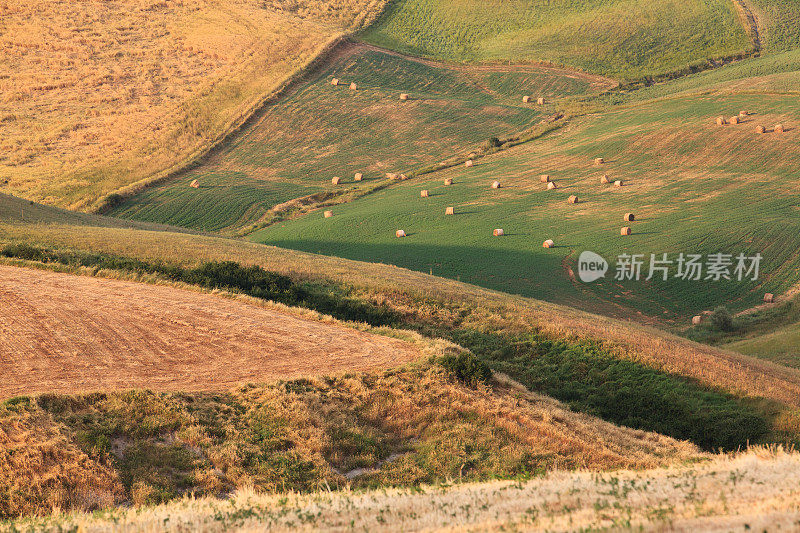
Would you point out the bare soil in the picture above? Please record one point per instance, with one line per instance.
(63, 333)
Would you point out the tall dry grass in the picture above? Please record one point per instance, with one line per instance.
(403, 427)
(752, 491)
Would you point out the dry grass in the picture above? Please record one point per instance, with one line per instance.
(104, 94)
(398, 428)
(756, 490)
(42, 470)
(446, 302)
(66, 334)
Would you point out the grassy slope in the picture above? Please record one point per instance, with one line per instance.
(628, 39)
(781, 20)
(756, 490)
(781, 346)
(134, 88)
(684, 178)
(404, 427)
(319, 131)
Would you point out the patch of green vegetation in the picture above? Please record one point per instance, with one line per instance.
(588, 379)
(466, 368)
(781, 20)
(625, 39)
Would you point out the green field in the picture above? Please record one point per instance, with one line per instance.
(694, 187)
(627, 39)
(320, 131)
(782, 346)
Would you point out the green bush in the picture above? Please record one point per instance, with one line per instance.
(721, 319)
(466, 368)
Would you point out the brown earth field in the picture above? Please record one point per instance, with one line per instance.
(61, 333)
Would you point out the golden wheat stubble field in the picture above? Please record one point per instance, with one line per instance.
(61, 333)
(98, 95)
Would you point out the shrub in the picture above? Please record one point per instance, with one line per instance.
(721, 319)
(466, 368)
(494, 142)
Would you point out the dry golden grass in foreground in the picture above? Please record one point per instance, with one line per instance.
(757, 490)
(446, 302)
(402, 427)
(99, 95)
(61, 333)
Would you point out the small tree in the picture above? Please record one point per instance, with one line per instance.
(722, 319)
(494, 142)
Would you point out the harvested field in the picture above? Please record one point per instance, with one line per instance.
(61, 333)
(98, 95)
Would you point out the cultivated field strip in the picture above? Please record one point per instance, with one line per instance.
(65, 333)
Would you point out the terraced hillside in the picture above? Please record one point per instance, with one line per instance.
(623, 39)
(319, 131)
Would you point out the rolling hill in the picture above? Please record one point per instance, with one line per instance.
(321, 371)
(98, 96)
(295, 147)
(623, 39)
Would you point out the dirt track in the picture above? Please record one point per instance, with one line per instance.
(65, 333)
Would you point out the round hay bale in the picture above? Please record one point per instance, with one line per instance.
(604, 178)
(540, 100)
(526, 99)
(551, 185)
(697, 320)
(353, 86)
(720, 121)
(761, 129)
(335, 180)
(399, 233)
(498, 232)
(743, 113)
(328, 214)
(618, 183)
(599, 160)
(449, 211)
(495, 185)
(544, 178)
(194, 184)
(734, 120)
(548, 243)
(629, 217)
(403, 96)
(423, 194)
(403, 177)
(469, 163)
(572, 199)
(769, 298)
(779, 128)
(625, 231)
(358, 176)
(335, 81)
(448, 181)
(391, 175)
